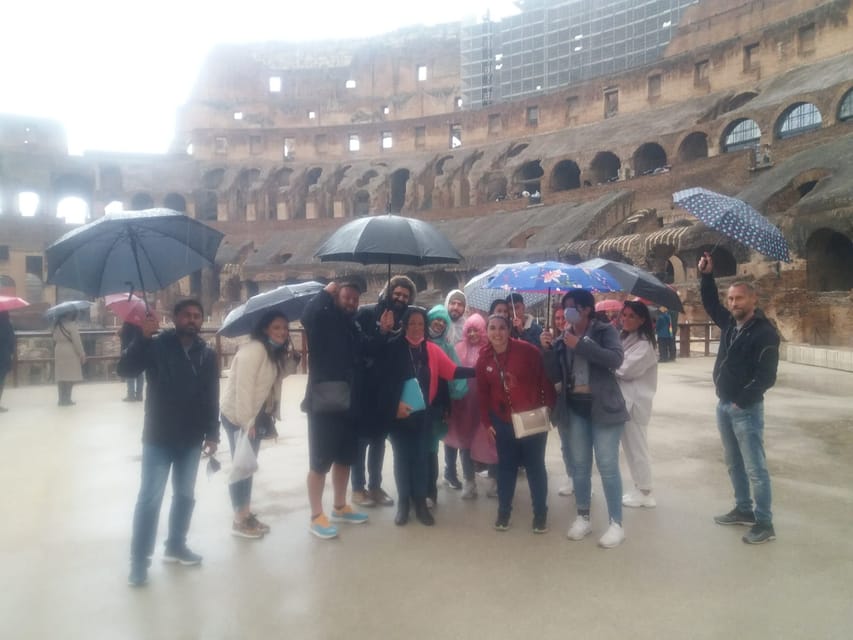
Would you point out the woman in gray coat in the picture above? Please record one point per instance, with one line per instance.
(68, 356)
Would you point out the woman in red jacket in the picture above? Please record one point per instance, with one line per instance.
(511, 378)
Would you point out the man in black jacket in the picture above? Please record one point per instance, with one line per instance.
(746, 365)
(181, 421)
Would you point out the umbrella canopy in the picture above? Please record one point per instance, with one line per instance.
(67, 307)
(478, 295)
(609, 305)
(129, 308)
(8, 303)
(289, 299)
(552, 276)
(735, 219)
(131, 250)
(637, 282)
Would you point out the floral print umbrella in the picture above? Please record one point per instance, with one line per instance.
(735, 219)
(545, 277)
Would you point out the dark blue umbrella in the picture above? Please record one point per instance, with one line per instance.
(132, 250)
(289, 299)
(479, 296)
(735, 219)
(544, 277)
(638, 282)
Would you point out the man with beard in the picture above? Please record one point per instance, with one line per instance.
(746, 365)
(181, 422)
(336, 347)
(455, 303)
(367, 491)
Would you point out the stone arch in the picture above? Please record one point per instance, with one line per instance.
(528, 176)
(743, 133)
(495, 185)
(176, 202)
(693, 147)
(439, 165)
(141, 200)
(29, 204)
(798, 188)
(565, 175)
(73, 209)
(361, 203)
(675, 271)
(213, 179)
(799, 118)
(737, 101)
(845, 107)
(829, 255)
(312, 177)
(367, 177)
(605, 167)
(647, 158)
(445, 282)
(514, 150)
(397, 201)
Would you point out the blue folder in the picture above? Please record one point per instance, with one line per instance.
(412, 395)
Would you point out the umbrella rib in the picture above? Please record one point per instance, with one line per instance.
(103, 268)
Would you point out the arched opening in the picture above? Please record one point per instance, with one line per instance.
(141, 201)
(367, 177)
(798, 119)
(566, 175)
(313, 176)
(693, 147)
(605, 167)
(206, 205)
(73, 210)
(739, 100)
(419, 280)
(741, 134)
(675, 272)
(361, 203)
(439, 166)
(398, 190)
(176, 202)
(795, 190)
(829, 256)
(242, 193)
(445, 282)
(28, 203)
(115, 206)
(845, 107)
(516, 149)
(724, 262)
(528, 176)
(647, 158)
(213, 178)
(496, 184)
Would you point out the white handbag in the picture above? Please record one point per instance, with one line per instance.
(530, 422)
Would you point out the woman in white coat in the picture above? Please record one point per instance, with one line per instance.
(68, 356)
(250, 402)
(638, 380)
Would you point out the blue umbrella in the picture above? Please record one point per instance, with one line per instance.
(62, 308)
(735, 219)
(478, 295)
(131, 250)
(544, 277)
(289, 299)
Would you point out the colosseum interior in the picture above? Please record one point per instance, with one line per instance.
(280, 144)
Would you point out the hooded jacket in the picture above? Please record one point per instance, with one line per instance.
(456, 389)
(454, 329)
(747, 360)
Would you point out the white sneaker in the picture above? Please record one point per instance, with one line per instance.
(568, 490)
(613, 537)
(580, 528)
(492, 491)
(637, 498)
(469, 489)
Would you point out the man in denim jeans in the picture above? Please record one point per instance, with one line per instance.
(746, 365)
(181, 420)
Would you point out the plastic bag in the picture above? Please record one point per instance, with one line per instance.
(245, 461)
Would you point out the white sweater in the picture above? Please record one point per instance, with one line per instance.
(638, 377)
(252, 379)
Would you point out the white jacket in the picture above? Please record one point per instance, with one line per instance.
(638, 377)
(252, 379)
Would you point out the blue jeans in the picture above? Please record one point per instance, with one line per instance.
(514, 452)
(134, 386)
(241, 492)
(157, 461)
(374, 450)
(742, 433)
(566, 450)
(586, 438)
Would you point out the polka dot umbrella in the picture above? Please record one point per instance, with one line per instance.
(735, 219)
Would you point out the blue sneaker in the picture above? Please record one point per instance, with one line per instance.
(321, 528)
(347, 514)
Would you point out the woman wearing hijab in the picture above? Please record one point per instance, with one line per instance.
(511, 378)
(250, 403)
(68, 356)
(638, 380)
(413, 365)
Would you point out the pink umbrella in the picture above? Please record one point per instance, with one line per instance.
(609, 305)
(130, 310)
(8, 303)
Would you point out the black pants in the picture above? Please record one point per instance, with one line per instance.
(65, 392)
(410, 441)
(667, 349)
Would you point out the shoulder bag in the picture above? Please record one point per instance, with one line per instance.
(526, 423)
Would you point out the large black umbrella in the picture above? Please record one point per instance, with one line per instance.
(131, 250)
(386, 239)
(638, 282)
(289, 299)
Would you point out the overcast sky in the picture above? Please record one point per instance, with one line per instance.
(114, 72)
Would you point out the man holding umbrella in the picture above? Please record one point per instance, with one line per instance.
(745, 369)
(181, 422)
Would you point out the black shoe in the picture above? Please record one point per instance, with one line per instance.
(502, 523)
(759, 534)
(735, 516)
(183, 556)
(540, 524)
(422, 512)
(453, 482)
(402, 517)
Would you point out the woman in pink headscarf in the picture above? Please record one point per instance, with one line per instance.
(466, 432)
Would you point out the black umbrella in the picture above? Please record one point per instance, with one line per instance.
(637, 282)
(388, 239)
(289, 299)
(131, 250)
